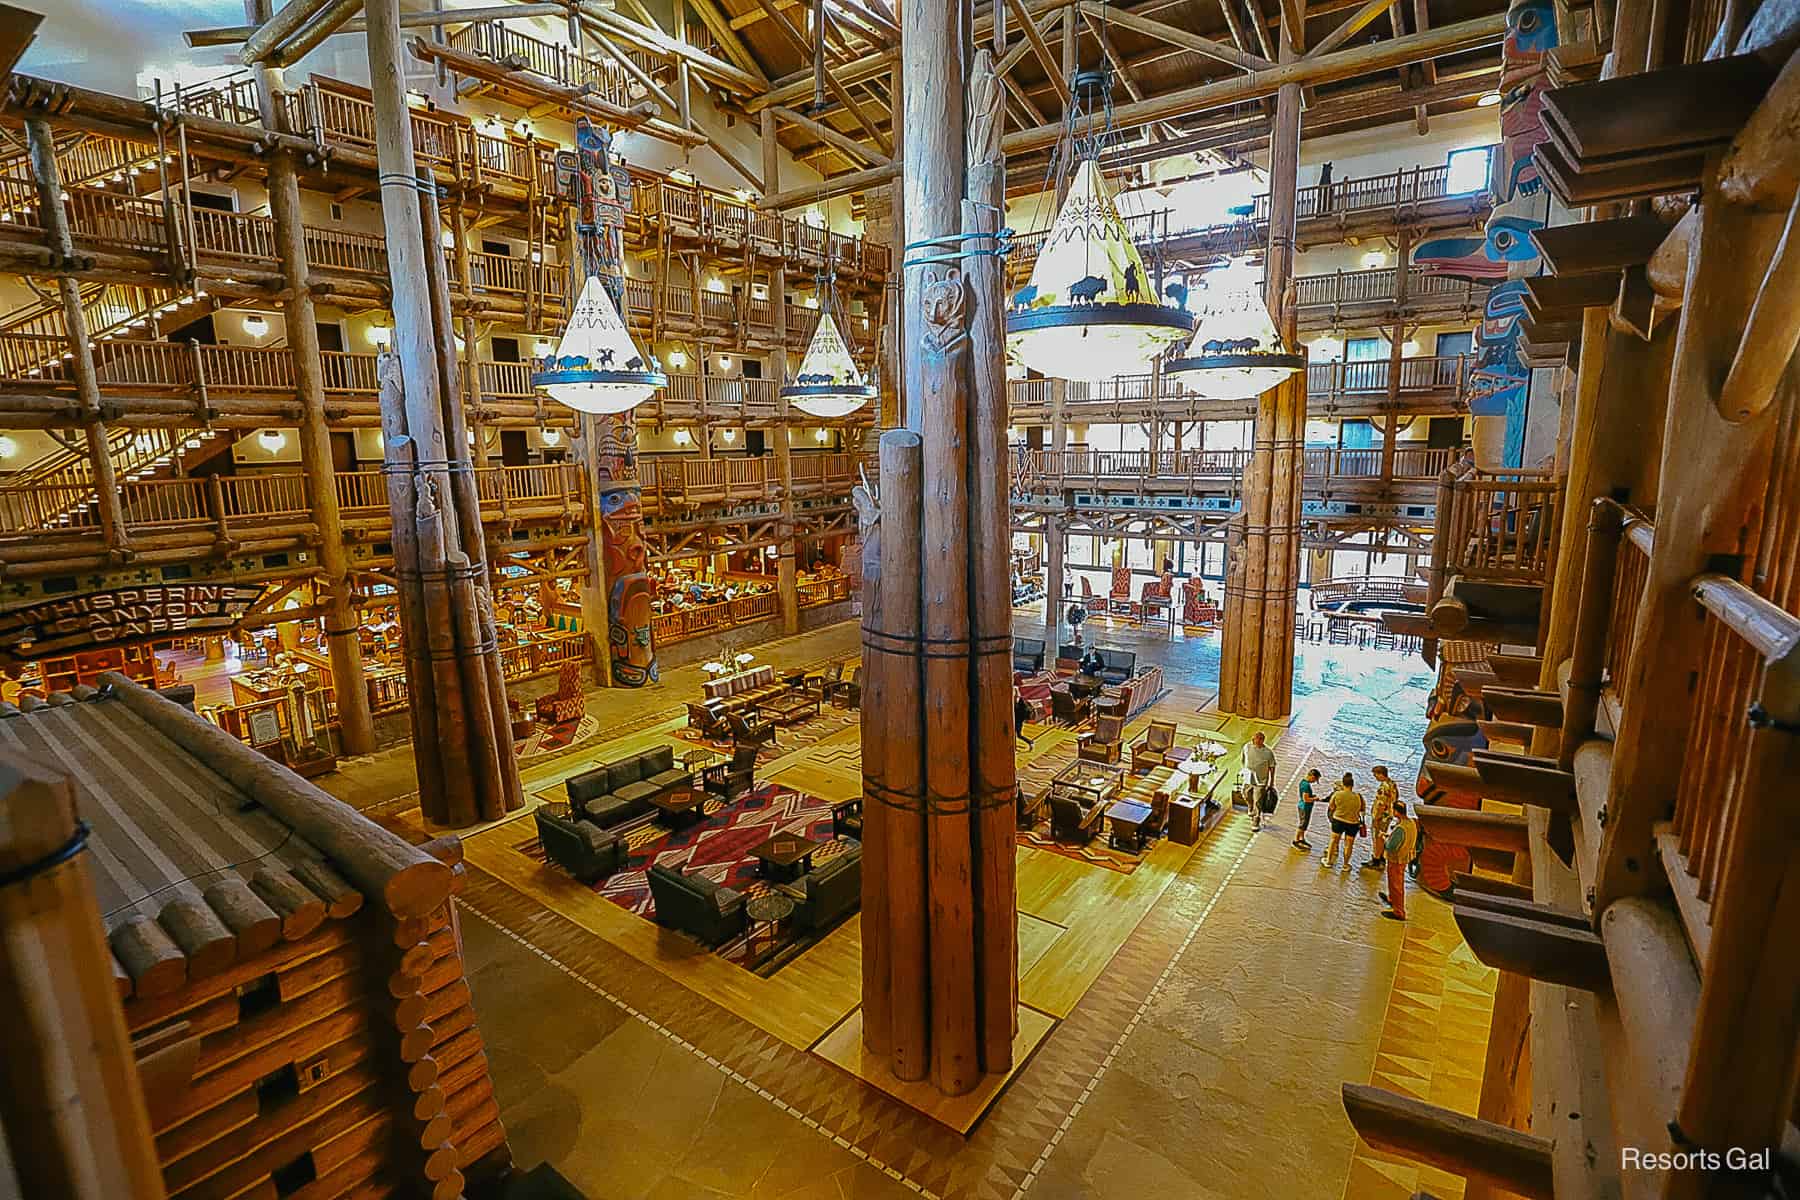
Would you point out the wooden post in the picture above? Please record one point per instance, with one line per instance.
(70, 1099)
(1056, 538)
(990, 540)
(1621, 394)
(55, 217)
(771, 161)
(465, 761)
(342, 617)
(1711, 488)
(942, 646)
(1396, 355)
(1262, 578)
(786, 584)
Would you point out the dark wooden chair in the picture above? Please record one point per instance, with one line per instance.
(1070, 822)
(748, 732)
(847, 693)
(731, 779)
(1103, 742)
(1065, 706)
(706, 719)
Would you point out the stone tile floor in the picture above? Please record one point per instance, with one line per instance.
(1205, 1062)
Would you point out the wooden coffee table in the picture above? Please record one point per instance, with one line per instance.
(681, 806)
(789, 708)
(1125, 822)
(785, 857)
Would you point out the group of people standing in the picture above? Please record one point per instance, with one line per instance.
(1390, 823)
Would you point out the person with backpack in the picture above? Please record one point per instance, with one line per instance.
(1259, 763)
(1307, 797)
(1387, 794)
(1401, 843)
(1345, 810)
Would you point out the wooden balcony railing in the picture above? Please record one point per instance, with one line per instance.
(815, 593)
(680, 624)
(492, 40)
(1500, 525)
(1172, 468)
(1435, 377)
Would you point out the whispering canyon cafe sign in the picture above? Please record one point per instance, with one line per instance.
(122, 615)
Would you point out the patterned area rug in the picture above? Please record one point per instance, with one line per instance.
(788, 738)
(1098, 852)
(550, 739)
(717, 848)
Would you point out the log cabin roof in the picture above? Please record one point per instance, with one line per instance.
(191, 872)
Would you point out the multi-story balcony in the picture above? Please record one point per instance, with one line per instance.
(249, 387)
(1334, 389)
(1192, 472)
(1417, 198)
(672, 484)
(54, 527)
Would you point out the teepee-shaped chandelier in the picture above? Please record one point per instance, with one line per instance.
(1090, 311)
(597, 368)
(828, 384)
(1236, 351)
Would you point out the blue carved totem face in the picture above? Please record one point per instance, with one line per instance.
(1501, 383)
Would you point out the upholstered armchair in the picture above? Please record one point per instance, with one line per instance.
(706, 719)
(1065, 706)
(847, 693)
(820, 685)
(1151, 750)
(1071, 822)
(1103, 742)
(566, 703)
(1118, 599)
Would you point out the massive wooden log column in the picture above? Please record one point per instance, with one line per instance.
(342, 617)
(1256, 670)
(941, 910)
(461, 739)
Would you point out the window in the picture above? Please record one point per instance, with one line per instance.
(1365, 349)
(1468, 170)
(1449, 345)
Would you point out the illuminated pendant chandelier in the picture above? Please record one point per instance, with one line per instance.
(1236, 351)
(596, 367)
(1090, 311)
(828, 384)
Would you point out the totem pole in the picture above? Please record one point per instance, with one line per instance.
(1501, 384)
(609, 441)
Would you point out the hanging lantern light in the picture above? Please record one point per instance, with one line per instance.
(597, 368)
(828, 384)
(1236, 351)
(1091, 311)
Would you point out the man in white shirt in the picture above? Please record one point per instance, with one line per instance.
(1259, 761)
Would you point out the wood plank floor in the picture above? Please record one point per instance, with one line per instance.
(1073, 916)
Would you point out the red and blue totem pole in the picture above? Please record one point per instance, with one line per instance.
(625, 559)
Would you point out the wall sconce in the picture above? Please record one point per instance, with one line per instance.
(537, 256)
(272, 439)
(820, 435)
(448, 240)
(256, 325)
(380, 335)
(552, 437)
(729, 435)
(8, 447)
(724, 362)
(1409, 347)
(742, 195)
(523, 127)
(812, 302)
(542, 348)
(713, 285)
(677, 357)
(683, 438)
